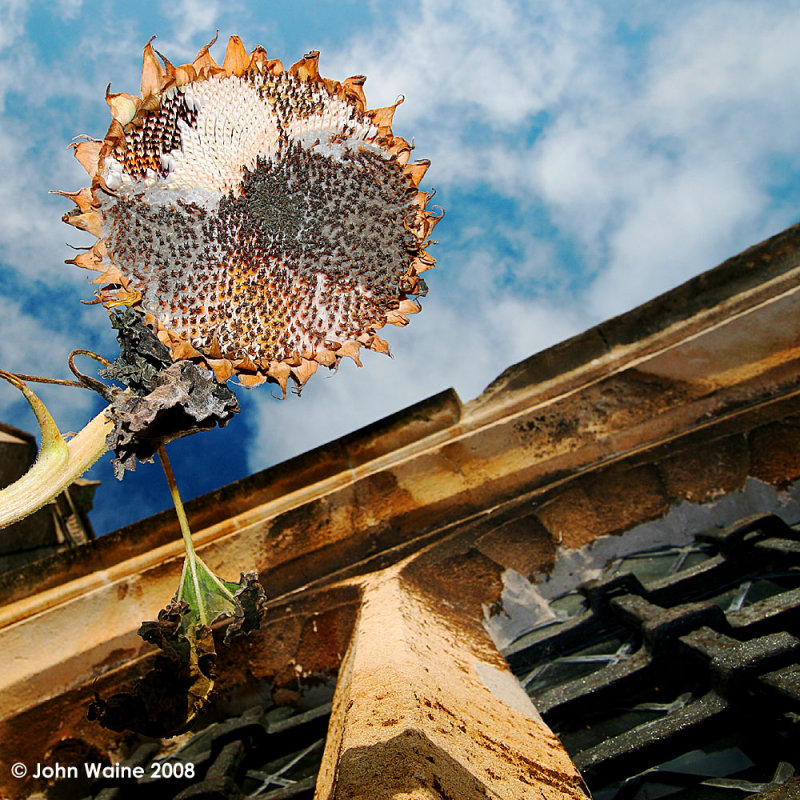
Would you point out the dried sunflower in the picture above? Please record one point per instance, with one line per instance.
(262, 220)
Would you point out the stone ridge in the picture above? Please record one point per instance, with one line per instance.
(757, 265)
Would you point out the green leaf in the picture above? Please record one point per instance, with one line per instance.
(209, 598)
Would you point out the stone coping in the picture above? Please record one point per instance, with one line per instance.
(752, 269)
(582, 439)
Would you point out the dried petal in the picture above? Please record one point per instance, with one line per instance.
(408, 306)
(185, 74)
(123, 106)
(350, 350)
(236, 59)
(153, 74)
(306, 369)
(382, 118)
(416, 171)
(84, 198)
(307, 69)
(353, 88)
(90, 222)
(88, 153)
(223, 369)
(203, 59)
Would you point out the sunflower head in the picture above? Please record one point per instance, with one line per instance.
(262, 220)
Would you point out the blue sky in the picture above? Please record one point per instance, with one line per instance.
(589, 156)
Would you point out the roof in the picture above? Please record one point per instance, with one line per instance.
(689, 399)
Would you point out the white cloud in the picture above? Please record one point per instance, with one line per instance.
(12, 22)
(651, 160)
(645, 155)
(193, 18)
(657, 162)
(69, 9)
(683, 227)
(494, 62)
(26, 347)
(194, 24)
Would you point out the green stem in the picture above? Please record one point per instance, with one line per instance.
(58, 464)
(191, 556)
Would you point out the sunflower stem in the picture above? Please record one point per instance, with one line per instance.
(58, 463)
(191, 555)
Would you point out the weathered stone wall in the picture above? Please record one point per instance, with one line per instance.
(679, 400)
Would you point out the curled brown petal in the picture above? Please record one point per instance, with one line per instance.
(353, 88)
(153, 74)
(203, 59)
(307, 68)
(88, 154)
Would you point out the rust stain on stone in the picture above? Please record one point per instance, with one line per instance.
(467, 580)
(302, 640)
(775, 454)
(114, 659)
(617, 402)
(323, 641)
(706, 472)
(521, 544)
(605, 503)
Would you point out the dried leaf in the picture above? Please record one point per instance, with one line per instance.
(157, 704)
(186, 399)
(169, 696)
(165, 632)
(165, 401)
(251, 606)
(142, 356)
